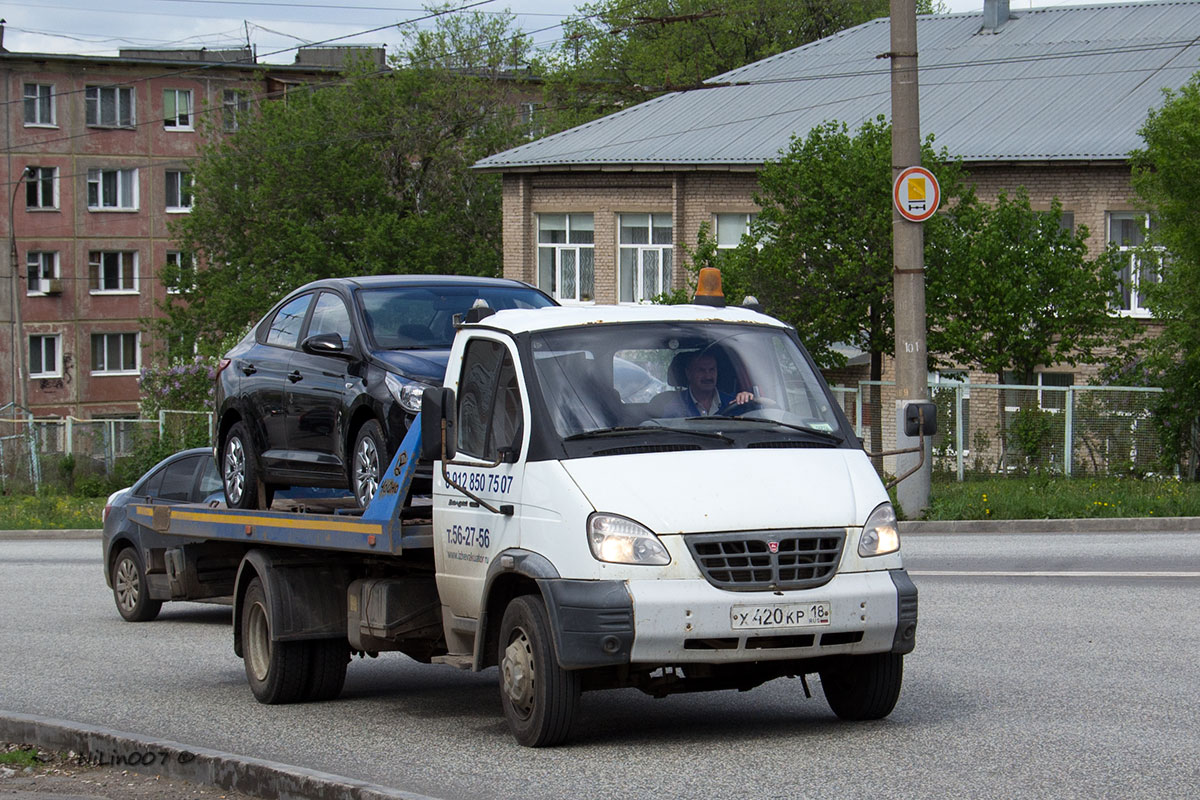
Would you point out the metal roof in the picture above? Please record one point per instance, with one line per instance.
(1050, 84)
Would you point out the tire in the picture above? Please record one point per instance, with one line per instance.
(239, 469)
(367, 462)
(864, 687)
(327, 669)
(130, 590)
(278, 672)
(540, 698)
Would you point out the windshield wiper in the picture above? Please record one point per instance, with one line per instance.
(623, 430)
(828, 435)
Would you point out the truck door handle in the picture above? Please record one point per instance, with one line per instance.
(248, 369)
(295, 375)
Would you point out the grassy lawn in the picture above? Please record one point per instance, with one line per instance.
(49, 511)
(1056, 497)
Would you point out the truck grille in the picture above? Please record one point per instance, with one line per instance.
(746, 562)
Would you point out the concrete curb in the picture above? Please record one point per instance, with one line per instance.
(70, 533)
(150, 756)
(1118, 525)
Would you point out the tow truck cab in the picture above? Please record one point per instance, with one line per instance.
(592, 531)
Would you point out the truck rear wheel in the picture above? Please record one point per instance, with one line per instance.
(327, 668)
(130, 590)
(539, 697)
(278, 672)
(864, 687)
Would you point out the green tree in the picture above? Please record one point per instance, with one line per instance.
(1166, 175)
(368, 175)
(819, 255)
(1011, 289)
(616, 53)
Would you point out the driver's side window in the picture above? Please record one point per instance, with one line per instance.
(489, 401)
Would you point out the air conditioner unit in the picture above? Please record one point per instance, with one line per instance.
(52, 286)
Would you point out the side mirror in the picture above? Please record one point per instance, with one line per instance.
(324, 344)
(437, 404)
(920, 419)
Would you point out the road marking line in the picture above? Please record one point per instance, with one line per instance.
(937, 573)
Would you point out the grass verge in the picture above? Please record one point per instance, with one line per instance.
(49, 512)
(1057, 497)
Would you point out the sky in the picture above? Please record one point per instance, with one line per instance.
(274, 27)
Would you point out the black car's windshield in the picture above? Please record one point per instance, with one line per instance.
(422, 317)
(665, 378)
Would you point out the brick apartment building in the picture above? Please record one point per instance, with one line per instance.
(96, 167)
(1049, 99)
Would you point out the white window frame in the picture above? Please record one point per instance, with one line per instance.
(575, 229)
(235, 104)
(639, 251)
(179, 196)
(126, 370)
(747, 219)
(175, 259)
(1136, 308)
(124, 99)
(184, 117)
(1058, 392)
(96, 266)
(126, 190)
(43, 93)
(45, 262)
(54, 340)
(38, 184)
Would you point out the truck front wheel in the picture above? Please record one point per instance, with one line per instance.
(278, 672)
(863, 687)
(539, 697)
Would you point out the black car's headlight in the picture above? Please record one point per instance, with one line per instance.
(407, 393)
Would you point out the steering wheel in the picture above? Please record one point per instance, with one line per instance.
(738, 409)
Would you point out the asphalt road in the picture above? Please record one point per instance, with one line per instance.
(1078, 681)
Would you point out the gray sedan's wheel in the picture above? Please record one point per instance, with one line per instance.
(864, 687)
(239, 469)
(539, 697)
(130, 589)
(367, 462)
(278, 672)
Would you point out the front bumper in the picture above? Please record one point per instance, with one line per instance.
(688, 621)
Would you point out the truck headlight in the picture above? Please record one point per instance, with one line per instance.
(623, 541)
(407, 393)
(879, 535)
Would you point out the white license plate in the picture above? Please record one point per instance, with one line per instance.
(785, 615)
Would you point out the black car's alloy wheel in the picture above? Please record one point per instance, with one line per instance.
(239, 469)
(367, 462)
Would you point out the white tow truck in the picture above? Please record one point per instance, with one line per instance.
(587, 530)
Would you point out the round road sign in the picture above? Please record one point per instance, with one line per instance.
(916, 194)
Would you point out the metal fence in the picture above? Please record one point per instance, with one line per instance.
(33, 450)
(983, 428)
(1017, 428)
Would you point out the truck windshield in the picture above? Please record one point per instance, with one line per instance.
(616, 380)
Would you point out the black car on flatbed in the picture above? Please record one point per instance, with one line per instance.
(322, 390)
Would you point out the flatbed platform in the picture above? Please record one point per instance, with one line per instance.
(386, 526)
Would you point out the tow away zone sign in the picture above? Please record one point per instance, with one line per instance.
(916, 194)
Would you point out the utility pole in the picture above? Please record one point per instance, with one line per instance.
(908, 256)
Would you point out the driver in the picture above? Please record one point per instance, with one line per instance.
(701, 397)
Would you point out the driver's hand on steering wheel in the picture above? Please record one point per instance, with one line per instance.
(742, 397)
